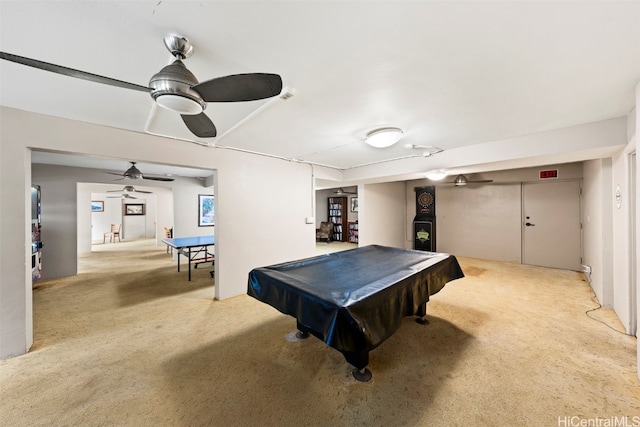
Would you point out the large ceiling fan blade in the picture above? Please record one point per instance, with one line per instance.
(155, 178)
(240, 87)
(200, 125)
(65, 71)
(462, 180)
(124, 196)
(340, 191)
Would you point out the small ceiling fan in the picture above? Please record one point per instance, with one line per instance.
(129, 189)
(134, 173)
(175, 88)
(462, 180)
(122, 196)
(340, 192)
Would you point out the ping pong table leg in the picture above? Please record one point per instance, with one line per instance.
(189, 263)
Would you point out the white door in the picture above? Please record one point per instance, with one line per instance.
(551, 229)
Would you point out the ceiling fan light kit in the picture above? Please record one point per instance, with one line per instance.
(129, 189)
(172, 89)
(179, 104)
(460, 180)
(384, 137)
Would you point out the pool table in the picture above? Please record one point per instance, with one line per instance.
(355, 299)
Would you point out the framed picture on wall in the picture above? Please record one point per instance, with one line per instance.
(134, 209)
(97, 206)
(206, 214)
(354, 204)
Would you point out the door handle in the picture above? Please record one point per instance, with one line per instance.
(528, 224)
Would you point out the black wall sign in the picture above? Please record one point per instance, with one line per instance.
(425, 201)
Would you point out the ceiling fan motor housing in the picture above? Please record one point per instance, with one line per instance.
(133, 172)
(172, 89)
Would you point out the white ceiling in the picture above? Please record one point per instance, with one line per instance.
(449, 73)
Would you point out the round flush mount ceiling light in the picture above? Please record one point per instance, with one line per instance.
(436, 175)
(384, 137)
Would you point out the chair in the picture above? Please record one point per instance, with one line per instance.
(115, 232)
(168, 233)
(325, 231)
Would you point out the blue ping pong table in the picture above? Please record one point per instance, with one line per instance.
(196, 249)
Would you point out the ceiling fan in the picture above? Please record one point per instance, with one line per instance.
(175, 88)
(129, 189)
(462, 180)
(134, 173)
(123, 196)
(340, 192)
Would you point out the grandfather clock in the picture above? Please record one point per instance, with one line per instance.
(424, 223)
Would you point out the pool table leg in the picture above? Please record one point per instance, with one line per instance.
(302, 331)
(422, 313)
(362, 375)
(360, 360)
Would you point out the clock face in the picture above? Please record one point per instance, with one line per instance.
(425, 199)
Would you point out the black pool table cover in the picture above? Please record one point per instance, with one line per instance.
(353, 300)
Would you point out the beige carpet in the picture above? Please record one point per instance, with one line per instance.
(130, 342)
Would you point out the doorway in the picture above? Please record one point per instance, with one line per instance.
(551, 226)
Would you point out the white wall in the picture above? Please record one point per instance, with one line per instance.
(84, 220)
(381, 216)
(482, 221)
(185, 200)
(636, 262)
(621, 238)
(59, 217)
(261, 207)
(598, 228)
(164, 213)
(101, 221)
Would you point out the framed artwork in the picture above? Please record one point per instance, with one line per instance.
(354, 204)
(134, 209)
(206, 214)
(97, 206)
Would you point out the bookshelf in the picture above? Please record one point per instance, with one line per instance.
(338, 216)
(353, 232)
